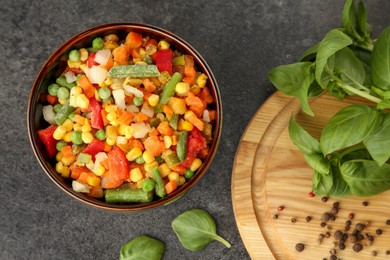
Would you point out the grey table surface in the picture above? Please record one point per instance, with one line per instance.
(241, 41)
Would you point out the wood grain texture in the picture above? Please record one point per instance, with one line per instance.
(269, 171)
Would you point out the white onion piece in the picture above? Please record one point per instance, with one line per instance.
(102, 56)
(136, 92)
(119, 98)
(132, 108)
(96, 74)
(48, 114)
(80, 187)
(147, 110)
(70, 77)
(140, 130)
(206, 116)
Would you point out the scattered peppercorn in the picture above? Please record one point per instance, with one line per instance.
(280, 208)
(334, 210)
(351, 216)
(359, 227)
(378, 231)
(321, 236)
(365, 203)
(275, 216)
(293, 220)
(338, 234)
(357, 247)
(388, 222)
(341, 246)
(323, 224)
(327, 234)
(387, 252)
(299, 247)
(324, 199)
(336, 204)
(374, 253)
(325, 216)
(311, 194)
(333, 251)
(308, 218)
(348, 222)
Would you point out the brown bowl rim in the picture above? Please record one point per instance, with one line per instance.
(98, 30)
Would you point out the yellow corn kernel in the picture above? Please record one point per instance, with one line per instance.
(136, 175)
(108, 81)
(189, 114)
(67, 137)
(115, 122)
(93, 181)
(99, 170)
(111, 116)
(134, 153)
(65, 172)
(86, 128)
(195, 164)
(111, 38)
(128, 132)
(132, 81)
(110, 45)
(68, 124)
(167, 141)
(149, 166)
(174, 139)
(147, 157)
(82, 101)
(77, 127)
(111, 108)
(174, 176)
(78, 119)
(59, 156)
(60, 132)
(163, 45)
(182, 88)
(111, 131)
(182, 180)
(87, 137)
(153, 100)
(184, 125)
(164, 170)
(195, 89)
(62, 101)
(201, 80)
(139, 183)
(83, 66)
(74, 64)
(178, 105)
(67, 161)
(111, 141)
(59, 167)
(83, 54)
(122, 129)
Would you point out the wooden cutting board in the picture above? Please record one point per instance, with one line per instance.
(269, 172)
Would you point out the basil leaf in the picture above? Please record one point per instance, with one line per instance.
(380, 61)
(350, 126)
(310, 54)
(294, 80)
(333, 41)
(142, 248)
(378, 144)
(366, 177)
(332, 184)
(318, 162)
(302, 139)
(321, 184)
(349, 67)
(196, 229)
(350, 18)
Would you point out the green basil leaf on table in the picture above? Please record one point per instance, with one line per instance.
(380, 61)
(294, 80)
(332, 184)
(318, 162)
(306, 143)
(142, 248)
(366, 177)
(196, 229)
(350, 126)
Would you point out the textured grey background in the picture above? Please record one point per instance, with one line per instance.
(241, 41)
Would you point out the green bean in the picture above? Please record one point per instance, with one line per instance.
(62, 82)
(173, 122)
(63, 113)
(148, 184)
(134, 71)
(160, 188)
(181, 147)
(169, 88)
(128, 195)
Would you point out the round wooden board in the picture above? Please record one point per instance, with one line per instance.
(269, 171)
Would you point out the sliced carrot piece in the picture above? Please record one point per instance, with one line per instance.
(154, 145)
(164, 128)
(170, 186)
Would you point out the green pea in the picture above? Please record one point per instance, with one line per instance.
(148, 184)
(104, 93)
(60, 144)
(76, 138)
(100, 134)
(97, 43)
(71, 115)
(188, 174)
(140, 160)
(74, 55)
(52, 89)
(57, 108)
(63, 93)
(138, 101)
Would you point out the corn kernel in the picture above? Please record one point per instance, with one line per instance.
(149, 166)
(178, 105)
(65, 172)
(110, 45)
(163, 45)
(83, 54)
(67, 137)
(134, 153)
(174, 139)
(78, 119)
(164, 170)
(128, 132)
(195, 89)
(153, 100)
(58, 156)
(195, 164)
(77, 127)
(67, 161)
(167, 141)
(93, 181)
(148, 157)
(87, 137)
(86, 128)
(122, 129)
(111, 108)
(108, 81)
(182, 180)
(62, 101)
(111, 116)
(132, 81)
(189, 114)
(182, 88)
(99, 170)
(174, 176)
(111, 141)
(184, 125)
(59, 167)
(74, 64)
(201, 80)
(111, 131)
(60, 132)
(115, 122)
(139, 184)
(136, 175)
(68, 124)
(82, 101)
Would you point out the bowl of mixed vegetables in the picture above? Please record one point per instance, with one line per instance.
(125, 116)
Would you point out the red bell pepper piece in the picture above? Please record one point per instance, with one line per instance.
(46, 136)
(118, 165)
(74, 70)
(195, 143)
(91, 60)
(96, 113)
(95, 147)
(164, 60)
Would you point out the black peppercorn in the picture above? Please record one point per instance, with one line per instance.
(352, 239)
(323, 224)
(357, 247)
(333, 251)
(325, 216)
(374, 253)
(275, 216)
(299, 247)
(387, 252)
(324, 199)
(333, 257)
(334, 211)
(365, 203)
(348, 223)
(338, 234)
(341, 246)
(336, 204)
(359, 227)
(378, 231)
(293, 220)
(388, 222)
(308, 218)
